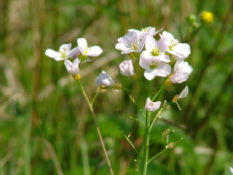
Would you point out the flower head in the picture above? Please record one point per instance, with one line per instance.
(104, 80)
(131, 42)
(207, 17)
(182, 70)
(63, 53)
(126, 68)
(182, 95)
(86, 51)
(180, 51)
(72, 68)
(152, 106)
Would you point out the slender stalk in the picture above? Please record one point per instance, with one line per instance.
(146, 144)
(146, 140)
(97, 127)
(157, 154)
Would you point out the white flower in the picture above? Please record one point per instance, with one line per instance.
(231, 169)
(183, 94)
(72, 68)
(156, 49)
(126, 68)
(64, 52)
(93, 51)
(182, 70)
(152, 106)
(179, 50)
(105, 80)
(131, 42)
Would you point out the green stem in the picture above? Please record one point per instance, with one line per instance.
(146, 140)
(158, 92)
(146, 144)
(131, 144)
(157, 155)
(97, 127)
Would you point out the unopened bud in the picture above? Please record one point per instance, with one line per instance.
(76, 77)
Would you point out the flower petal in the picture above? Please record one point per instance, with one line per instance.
(74, 53)
(150, 74)
(82, 44)
(163, 70)
(94, 51)
(53, 54)
(152, 106)
(72, 68)
(184, 93)
(65, 48)
(105, 80)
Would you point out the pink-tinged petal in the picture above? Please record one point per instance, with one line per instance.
(184, 93)
(163, 58)
(163, 45)
(181, 51)
(169, 37)
(74, 53)
(53, 54)
(163, 70)
(95, 51)
(152, 106)
(126, 68)
(141, 44)
(72, 68)
(150, 74)
(82, 44)
(150, 43)
(105, 80)
(65, 48)
(145, 62)
(121, 46)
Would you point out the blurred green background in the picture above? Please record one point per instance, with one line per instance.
(45, 127)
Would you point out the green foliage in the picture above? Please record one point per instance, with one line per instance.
(33, 85)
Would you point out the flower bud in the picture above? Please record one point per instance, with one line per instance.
(126, 68)
(191, 19)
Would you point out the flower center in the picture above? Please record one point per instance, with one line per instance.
(86, 50)
(155, 51)
(153, 65)
(151, 104)
(172, 44)
(63, 53)
(134, 46)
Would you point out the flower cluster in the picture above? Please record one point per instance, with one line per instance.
(164, 57)
(72, 58)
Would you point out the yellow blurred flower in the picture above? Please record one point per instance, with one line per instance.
(207, 17)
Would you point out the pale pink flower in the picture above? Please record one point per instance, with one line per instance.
(231, 169)
(126, 68)
(182, 70)
(152, 106)
(105, 80)
(63, 53)
(180, 51)
(72, 68)
(131, 42)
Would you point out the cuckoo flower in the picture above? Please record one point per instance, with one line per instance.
(180, 51)
(105, 80)
(154, 60)
(131, 42)
(126, 68)
(86, 51)
(148, 31)
(182, 70)
(72, 68)
(152, 106)
(63, 53)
